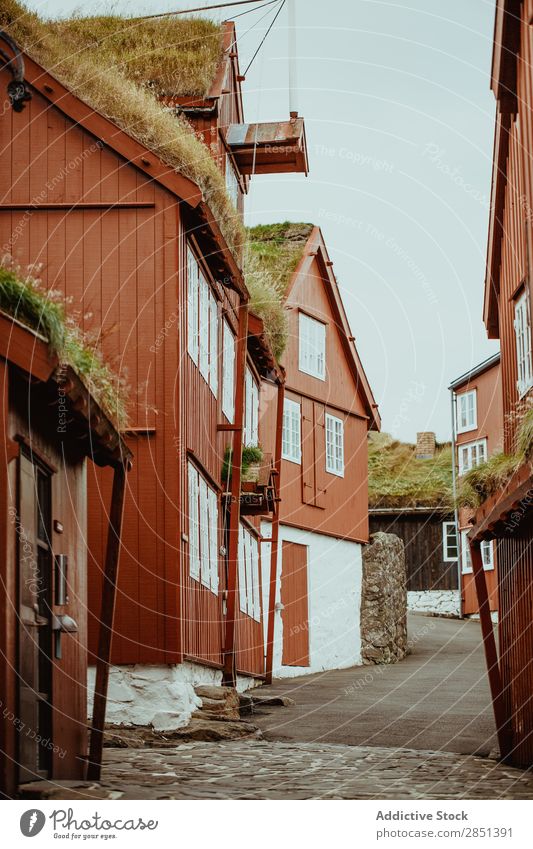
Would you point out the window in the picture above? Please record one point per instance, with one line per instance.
(202, 322)
(449, 542)
(334, 445)
(249, 590)
(203, 530)
(522, 327)
(251, 409)
(291, 444)
(232, 182)
(466, 560)
(487, 554)
(466, 411)
(471, 455)
(312, 347)
(228, 372)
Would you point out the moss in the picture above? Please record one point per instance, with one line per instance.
(22, 297)
(524, 436)
(251, 454)
(130, 104)
(484, 480)
(272, 253)
(398, 479)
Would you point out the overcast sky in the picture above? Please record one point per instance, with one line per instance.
(399, 120)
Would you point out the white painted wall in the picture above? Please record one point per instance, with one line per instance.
(157, 694)
(435, 601)
(334, 591)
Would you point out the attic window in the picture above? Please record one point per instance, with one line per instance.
(522, 328)
(312, 347)
(232, 182)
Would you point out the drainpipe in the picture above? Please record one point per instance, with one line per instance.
(274, 544)
(453, 398)
(229, 675)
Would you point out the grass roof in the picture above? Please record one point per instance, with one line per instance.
(107, 74)
(272, 253)
(398, 479)
(23, 297)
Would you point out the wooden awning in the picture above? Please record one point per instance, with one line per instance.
(507, 509)
(276, 147)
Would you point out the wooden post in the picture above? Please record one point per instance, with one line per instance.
(106, 622)
(503, 727)
(230, 671)
(274, 545)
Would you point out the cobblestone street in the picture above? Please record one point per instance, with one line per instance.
(256, 769)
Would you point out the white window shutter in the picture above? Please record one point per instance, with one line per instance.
(213, 344)
(192, 306)
(242, 571)
(194, 559)
(228, 371)
(213, 539)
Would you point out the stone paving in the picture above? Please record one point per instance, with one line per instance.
(257, 769)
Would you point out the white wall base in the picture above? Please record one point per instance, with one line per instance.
(435, 601)
(157, 694)
(334, 594)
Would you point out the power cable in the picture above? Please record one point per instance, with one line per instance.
(265, 36)
(196, 9)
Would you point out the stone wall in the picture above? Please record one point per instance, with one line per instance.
(443, 602)
(384, 600)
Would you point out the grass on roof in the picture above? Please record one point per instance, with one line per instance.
(272, 253)
(91, 73)
(172, 56)
(398, 479)
(23, 297)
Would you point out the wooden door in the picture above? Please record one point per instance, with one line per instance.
(35, 622)
(295, 613)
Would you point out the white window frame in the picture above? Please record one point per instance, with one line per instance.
(228, 371)
(334, 445)
(524, 357)
(203, 530)
(487, 555)
(311, 346)
(470, 448)
(251, 409)
(463, 398)
(232, 182)
(466, 560)
(249, 584)
(202, 322)
(292, 431)
(447, 557)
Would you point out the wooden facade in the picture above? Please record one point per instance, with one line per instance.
(506, 516)
(50, 425)
(114, 229)
(484, 381)
(421, 530)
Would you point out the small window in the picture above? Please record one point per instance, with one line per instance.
(232, 182)
(312, 347)
(471, 455)
(466, 560)
(249, 590)
(203, 530)
(487, 554)
(334, 445)
(449, 542)
(202, 322)
(522, 326)
(291, 445)
(251, 409)
(466, 411)
(228, 371)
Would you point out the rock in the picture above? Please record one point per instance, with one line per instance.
(212, 731)
(210, 691)
(384, 600)
(273, 701)
(223, 701)
(246, 704)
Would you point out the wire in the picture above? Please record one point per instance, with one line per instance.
(248, 11)
(264, 37)
(197, 9)
(256, 23)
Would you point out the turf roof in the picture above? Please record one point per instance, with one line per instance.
(397, 479)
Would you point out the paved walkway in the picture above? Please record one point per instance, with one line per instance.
(437, 698)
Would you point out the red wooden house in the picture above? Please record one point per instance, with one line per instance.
(49, 425)
(134, 242)
(314, 592)
(505, 514)
(477, 404)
